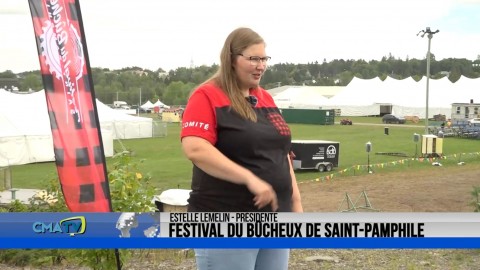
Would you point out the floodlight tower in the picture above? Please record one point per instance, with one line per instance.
(429, 34)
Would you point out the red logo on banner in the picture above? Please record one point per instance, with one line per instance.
(59, 42)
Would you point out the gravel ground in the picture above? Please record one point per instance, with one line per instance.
(309, 259)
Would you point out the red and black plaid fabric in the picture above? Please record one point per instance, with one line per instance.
(64, 65)
(279, 123)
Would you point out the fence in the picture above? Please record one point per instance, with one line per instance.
(159, 129)
(472, 132)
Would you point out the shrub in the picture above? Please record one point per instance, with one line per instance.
(476, 198)
(130, 191)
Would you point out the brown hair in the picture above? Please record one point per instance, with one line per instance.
(226, 78)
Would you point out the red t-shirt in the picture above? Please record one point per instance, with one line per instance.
(261, 147)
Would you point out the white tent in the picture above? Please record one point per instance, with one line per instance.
(406, 97)
(466, 90)
(300, 98)
(409, 97)
(356, 98)
(147, 105)
(25, 137)
(160, 104)
(123, 126)
(25, 134)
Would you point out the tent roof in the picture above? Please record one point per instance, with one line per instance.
(364, 96)
(107, 114)
(358, 92)
(20, 114)
(158, 104)
(147, 105)
(27, 114)
(304, 97)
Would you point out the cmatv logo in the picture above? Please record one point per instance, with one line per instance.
(71, 226)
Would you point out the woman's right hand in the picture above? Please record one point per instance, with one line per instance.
(264, 193)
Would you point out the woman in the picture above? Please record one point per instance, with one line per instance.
(238, 143)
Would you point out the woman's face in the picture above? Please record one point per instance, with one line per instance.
(250, 66)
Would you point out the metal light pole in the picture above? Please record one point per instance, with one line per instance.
(429, 34)
(139, 102)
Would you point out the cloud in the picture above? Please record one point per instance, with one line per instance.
(11, 7)
(168, 34)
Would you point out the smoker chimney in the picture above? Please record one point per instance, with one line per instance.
(471, 101)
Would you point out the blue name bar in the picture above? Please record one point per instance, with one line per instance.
(143, 230)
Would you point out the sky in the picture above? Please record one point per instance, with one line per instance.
(169, 34)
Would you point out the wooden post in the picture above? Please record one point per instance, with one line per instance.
(7, 178)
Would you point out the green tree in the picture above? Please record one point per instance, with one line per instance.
(455, 74)
(8, 74)
(31, 81)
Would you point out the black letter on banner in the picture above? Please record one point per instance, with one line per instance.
(235, 229)
(313, 229)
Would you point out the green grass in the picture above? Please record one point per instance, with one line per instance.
(163, 160)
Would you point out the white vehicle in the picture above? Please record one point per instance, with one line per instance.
(121, 104)
(474, 121)
(124, 107)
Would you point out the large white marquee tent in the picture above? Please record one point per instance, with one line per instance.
(303, 97)
(306, 98)
(406, 97)
(25, 134)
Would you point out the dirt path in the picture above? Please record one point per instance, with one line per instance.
(438, 189)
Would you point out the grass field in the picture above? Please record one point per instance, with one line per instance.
(163, 160)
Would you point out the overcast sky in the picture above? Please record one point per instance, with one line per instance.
(178, 33)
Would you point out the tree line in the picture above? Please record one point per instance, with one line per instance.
(136, 85)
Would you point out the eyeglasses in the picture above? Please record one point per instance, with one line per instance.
(256, 60)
